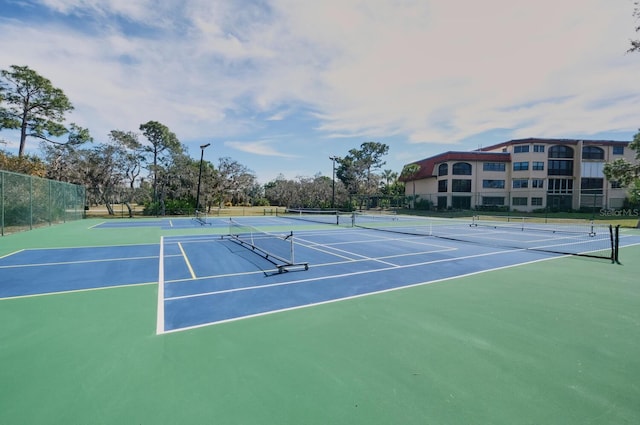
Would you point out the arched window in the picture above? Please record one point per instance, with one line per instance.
(443, 169)
(560, 151)
(592, 152)
(462, 168)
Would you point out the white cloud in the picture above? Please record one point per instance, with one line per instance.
(428, 72)
(260, 147)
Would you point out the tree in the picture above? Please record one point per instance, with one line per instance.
(162, 141)
(409, 171)
(128, 141)
(389, 177)
(234, 181)
(626, 173)
(635, 44)
(356, 169)
(27, 164)
(35, 106)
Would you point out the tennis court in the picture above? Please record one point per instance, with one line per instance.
(278, 320)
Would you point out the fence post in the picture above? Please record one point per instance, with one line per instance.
(30, 203)
(2, 203)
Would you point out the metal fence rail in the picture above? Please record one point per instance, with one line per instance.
(27, 202)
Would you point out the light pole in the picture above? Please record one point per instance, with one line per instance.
(202, 148)
(333, 181)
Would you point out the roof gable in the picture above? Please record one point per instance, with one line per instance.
(427, 165)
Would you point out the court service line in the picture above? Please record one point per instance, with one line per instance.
(11, 253)
(76, 291)
(186, 260)
(59, 263)
(382, 291)
(351, 253)
(315, 266)
(294, 282)
(160, 312)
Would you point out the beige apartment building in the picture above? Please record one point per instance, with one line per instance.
(522, 175)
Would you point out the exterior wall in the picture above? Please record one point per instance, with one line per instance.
(534, 178)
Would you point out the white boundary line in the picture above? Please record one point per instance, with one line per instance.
(234, 319)
(160, 316)
(77, 291)
(11, 253)
(186, 260)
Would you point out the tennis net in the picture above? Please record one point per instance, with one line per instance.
(588, 239)
(201, 217)
(319, 216)
(277, 249)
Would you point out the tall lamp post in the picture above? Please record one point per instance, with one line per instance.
(333, 181)
(202, 148)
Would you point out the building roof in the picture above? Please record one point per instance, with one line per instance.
(553, 141)
(427, 165)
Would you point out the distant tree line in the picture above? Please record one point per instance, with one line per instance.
(153, 168)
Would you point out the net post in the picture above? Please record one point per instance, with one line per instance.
(617, 243)
(293, 260)
(613, 244)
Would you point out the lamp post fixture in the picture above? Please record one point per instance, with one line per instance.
(333, 181)
(202, 148)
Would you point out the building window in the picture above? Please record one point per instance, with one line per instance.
(538, 148)
(536, 202)
(616, 185)
(537, 166)
(537, 183)
(461, 202)
(519, 201)
(493, 184)
(560, 151)
(520, 166)
(520, 183)
(590, 186)
(618, 150)
(442, 202)
(521, 149)
(460, 185)
(559, 167)
(443, 169)
(493, 200)
(493, 166)
(592, 152)
(462, 169)
(442, 185)
(560, 186)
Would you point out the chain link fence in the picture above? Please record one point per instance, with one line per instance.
(585, 200)
(27, 202)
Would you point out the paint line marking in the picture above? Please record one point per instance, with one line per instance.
(160, 314)
(186, 260)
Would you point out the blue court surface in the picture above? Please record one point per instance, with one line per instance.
(209, 278)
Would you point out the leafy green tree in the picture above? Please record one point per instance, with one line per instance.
(26, 164)
(356, 170)
(128, 141)
(162, 144)
(34, 105)
(233, 182)
(408, 173)
(635, 44)
(389, 178)
(626, 173)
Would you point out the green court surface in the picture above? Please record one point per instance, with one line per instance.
(552, 342)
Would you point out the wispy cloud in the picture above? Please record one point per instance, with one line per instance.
(423, 73)
(261, 147)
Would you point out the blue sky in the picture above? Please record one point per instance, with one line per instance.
(281, 85)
